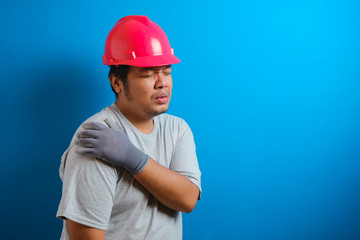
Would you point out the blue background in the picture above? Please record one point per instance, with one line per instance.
(271, 90)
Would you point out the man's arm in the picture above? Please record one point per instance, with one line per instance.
(79, 231)
(88, 195)
(171, 188)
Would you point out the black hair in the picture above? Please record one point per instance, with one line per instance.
(121, 72)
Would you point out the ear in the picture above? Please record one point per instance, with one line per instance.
(117, 84)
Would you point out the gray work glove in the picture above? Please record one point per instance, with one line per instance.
(112, 146)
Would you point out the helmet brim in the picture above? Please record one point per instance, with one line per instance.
(153, 61)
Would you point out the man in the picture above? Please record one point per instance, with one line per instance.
(131, 169)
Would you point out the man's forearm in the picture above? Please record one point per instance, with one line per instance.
(171, 188)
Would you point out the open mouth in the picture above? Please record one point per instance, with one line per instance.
(162, 98)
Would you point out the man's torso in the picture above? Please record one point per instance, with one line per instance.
(103, 196)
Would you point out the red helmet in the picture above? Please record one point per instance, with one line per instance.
(138, 41)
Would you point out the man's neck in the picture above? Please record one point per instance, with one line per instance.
(144, 125)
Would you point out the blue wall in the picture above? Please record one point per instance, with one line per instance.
(271, 90)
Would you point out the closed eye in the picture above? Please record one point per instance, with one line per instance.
(166, 73)
(147, 75)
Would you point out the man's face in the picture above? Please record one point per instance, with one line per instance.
(148, 90)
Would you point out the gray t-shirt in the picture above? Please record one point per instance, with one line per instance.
(103, 196)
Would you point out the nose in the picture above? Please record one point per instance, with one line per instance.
(161, 81)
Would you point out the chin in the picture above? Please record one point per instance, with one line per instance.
(159, 111)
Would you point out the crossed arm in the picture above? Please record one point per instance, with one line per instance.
(171, 188)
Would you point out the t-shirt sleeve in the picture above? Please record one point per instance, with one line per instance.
(184, 159)
(88, 189)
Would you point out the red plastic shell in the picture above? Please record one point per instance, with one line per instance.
(138, 41)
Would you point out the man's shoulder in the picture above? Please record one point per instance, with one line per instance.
(102, 115)
(166, 118)
(73, 156)
(172, 123)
